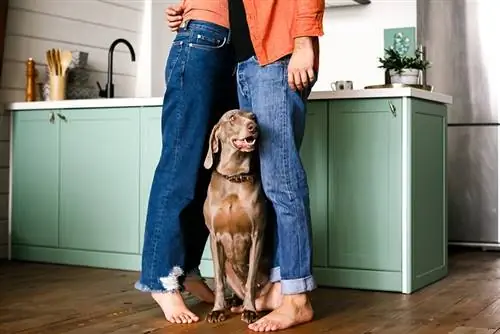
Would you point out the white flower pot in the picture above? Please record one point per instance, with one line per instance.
(408, 76)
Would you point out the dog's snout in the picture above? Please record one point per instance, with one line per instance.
(252, 127)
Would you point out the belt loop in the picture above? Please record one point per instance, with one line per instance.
(229, 37)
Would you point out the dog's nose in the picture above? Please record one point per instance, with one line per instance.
(251, 127)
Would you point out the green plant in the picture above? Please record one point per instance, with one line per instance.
(397, 62)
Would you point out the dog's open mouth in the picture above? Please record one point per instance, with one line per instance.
(246, 143)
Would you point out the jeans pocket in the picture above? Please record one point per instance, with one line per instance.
(202, 41)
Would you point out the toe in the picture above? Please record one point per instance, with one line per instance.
(185, 318)
(192, 316)
(257, 326)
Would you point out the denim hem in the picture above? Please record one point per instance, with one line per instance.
(293, 286)
(144, 288)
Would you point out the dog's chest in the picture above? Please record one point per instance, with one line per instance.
(233, 217)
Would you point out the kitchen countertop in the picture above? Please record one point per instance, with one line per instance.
(157, 101)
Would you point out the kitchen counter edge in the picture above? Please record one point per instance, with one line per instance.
(157, 101)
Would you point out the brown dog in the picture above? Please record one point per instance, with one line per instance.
(235, 213)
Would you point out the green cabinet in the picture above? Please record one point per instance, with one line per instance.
(387, 226)
(375, 168)
(75, 186)
(35, 179)
(99, 180)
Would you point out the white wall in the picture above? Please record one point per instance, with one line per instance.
(354, 39)
(33, 26)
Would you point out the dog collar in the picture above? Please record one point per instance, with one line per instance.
(239, 178)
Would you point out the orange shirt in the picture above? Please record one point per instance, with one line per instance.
(214, 11)
(273, 24)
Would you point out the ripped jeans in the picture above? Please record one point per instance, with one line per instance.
(200, 86)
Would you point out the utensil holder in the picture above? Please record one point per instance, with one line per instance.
(57, 87)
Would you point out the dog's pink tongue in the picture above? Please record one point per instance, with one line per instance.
(241, 143)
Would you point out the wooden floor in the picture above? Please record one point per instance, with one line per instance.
(48, 299)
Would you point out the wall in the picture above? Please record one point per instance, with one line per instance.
(33, 26)
(354, 39)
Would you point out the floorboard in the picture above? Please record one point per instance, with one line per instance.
(51, 299)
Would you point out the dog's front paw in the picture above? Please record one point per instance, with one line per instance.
(216, 316)
(249, 316)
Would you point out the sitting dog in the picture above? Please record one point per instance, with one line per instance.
(235, 213)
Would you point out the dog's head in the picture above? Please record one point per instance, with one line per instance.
(236, 131)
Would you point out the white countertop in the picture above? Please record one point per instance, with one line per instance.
(157, 101)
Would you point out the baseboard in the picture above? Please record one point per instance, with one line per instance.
(77, 257)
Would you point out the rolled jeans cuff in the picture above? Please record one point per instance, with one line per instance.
(293, 286)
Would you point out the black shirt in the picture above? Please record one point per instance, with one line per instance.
(240, 34)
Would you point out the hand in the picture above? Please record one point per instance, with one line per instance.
(173, 16)
(301, 66)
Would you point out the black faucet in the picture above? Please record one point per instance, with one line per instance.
(109, 91)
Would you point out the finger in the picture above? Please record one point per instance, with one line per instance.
(174, 20)
(311, 75)
(304, 78)
(298, 80)
(171, 11)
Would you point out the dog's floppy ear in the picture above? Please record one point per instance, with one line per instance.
(213, 147)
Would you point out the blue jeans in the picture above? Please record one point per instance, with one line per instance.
(200, 86)
(281, 115)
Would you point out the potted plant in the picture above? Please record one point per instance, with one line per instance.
(403, 69)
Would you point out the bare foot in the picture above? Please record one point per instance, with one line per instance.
(172, 305)
(294, 310)
(197, 287)
(267, 301)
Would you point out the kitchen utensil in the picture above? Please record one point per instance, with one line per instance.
(50, 63)
(66, 59)
(341, 85)
(58, 60)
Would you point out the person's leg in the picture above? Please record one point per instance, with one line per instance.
(192, 73)
(281, 116)
(192, 220)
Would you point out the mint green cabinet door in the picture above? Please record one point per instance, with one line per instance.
(99, 173)
(150, 154)
(314, 154)
(35, 178)
(365, 184)
(429, 233)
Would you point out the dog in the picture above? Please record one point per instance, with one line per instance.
(235, 213)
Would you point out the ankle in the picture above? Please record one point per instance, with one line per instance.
(297, 300)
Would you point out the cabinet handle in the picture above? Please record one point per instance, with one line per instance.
(393, 108)
(61, 116)
(52, 117)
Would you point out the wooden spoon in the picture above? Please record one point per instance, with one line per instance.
(59, 65)
(66, 59)
(54, 61)
(50, 63)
